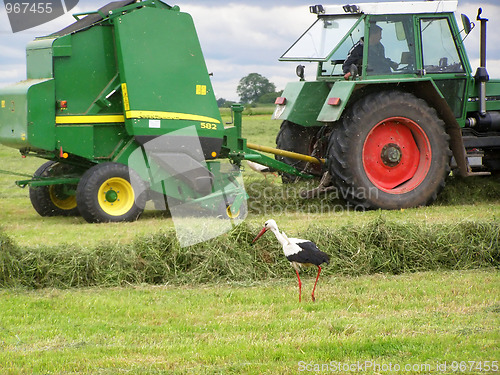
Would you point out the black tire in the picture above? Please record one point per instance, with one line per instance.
(379, 156)
(295, 138)
(111, 192)
(53, 200)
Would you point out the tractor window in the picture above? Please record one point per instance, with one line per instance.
(440, 54)
(336, 60)
(320, 39)
(391, 47)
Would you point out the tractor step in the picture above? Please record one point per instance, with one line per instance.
(475, 160)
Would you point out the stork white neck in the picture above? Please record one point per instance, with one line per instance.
(281, 237)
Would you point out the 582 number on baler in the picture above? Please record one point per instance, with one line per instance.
(208, 125)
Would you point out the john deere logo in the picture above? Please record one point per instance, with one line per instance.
(25, 14)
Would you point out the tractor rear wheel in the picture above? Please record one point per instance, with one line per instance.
(53, 200)
(111, 192)
(295, 138)
(390, 152)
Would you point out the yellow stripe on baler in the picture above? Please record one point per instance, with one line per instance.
(102, 119)
(157, 115)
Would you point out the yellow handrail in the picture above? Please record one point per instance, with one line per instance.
(288, 154)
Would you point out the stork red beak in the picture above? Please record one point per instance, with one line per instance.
(260, 234)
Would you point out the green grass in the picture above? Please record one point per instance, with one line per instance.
(379, 246)
(413, 319)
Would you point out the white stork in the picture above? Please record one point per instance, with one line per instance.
(261, 168)
(298, 252)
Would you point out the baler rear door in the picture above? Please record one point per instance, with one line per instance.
(165, 82)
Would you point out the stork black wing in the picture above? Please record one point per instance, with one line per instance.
(309, 253)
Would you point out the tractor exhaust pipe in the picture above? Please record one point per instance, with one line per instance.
(483, 121)
(481, 73)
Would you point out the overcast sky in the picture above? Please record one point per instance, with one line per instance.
(240, 37)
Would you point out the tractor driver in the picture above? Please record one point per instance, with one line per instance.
(377, 62)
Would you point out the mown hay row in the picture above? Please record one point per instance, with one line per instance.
(380, 246)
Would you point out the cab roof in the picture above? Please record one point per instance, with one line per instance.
(413, 7)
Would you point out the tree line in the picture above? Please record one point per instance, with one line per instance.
(254, 89)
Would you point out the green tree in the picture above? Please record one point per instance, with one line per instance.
(269, 98)
(253, 86)
(223, 103)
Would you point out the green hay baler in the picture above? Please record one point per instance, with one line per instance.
(121, 105)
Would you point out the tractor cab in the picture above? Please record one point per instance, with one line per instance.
(378, 40)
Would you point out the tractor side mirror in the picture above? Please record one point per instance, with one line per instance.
(299, 70)
(467, 24)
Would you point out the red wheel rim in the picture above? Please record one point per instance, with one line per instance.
(396, 155)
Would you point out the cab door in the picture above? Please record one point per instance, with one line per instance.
(443, 61)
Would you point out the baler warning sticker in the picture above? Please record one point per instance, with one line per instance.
(155, 124)
(201, 90)
(126, 103)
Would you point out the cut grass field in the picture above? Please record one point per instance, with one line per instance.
(417, 320)
(200, 311)
(462, 200)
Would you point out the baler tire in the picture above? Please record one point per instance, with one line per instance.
(111, 192)
(391, 152)
(50, 200)
(295, 138)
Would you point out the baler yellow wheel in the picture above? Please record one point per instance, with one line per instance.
(111, 192)
(225, 211)
(61, 200)
(116, 196)
(53, 200)
(230, 214)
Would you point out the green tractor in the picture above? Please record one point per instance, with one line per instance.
(395, 105)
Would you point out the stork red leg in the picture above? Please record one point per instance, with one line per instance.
(317, 277)
(300, 285)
